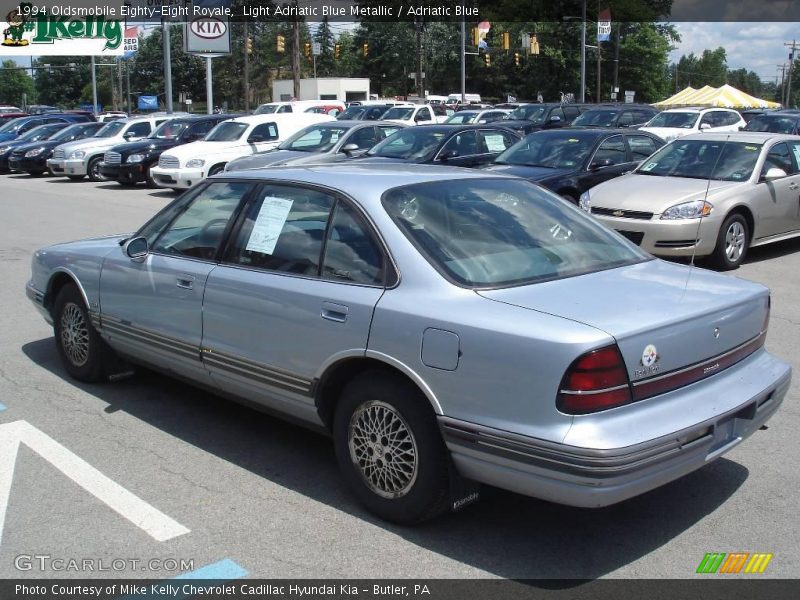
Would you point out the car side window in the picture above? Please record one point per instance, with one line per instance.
(263, 133)
(795, 155)
(202, 128)
(641, 147)
(141, 129)
(284, 230)
(709, 119)
(778, 158)
(495, 141)
(385, 131)
(612, 149)
(461, 144)
(423, 115)
(626, 119)
(365, 138)
(571, 113)
(286, 108)
(557, 112)
(198, 231)
(351, 253)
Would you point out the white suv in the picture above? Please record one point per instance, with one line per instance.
(677, 122)
(83, 157)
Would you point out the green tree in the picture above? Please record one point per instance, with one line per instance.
(60, 79)
(326, 65)
(14, 82)
(747, 81)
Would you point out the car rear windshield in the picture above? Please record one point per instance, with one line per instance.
(529, 112)
(598, 118)
(110, 130)
(399, 112)
(462, 117)
(227, 131)
(562, 151)
(486, 233)
(317, 138)
(684, 120)
(771, 124)
(703, 159)
(266, 109)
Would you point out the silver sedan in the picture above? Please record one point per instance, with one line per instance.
(446, 327)
(707, 195)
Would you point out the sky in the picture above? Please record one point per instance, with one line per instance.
(754, 46)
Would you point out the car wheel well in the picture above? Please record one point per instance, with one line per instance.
(569, 194)
(218, 168)
(336, 378)
(748, 217)
(57, 282)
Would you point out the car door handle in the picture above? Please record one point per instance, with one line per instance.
(185, 281)
(793, 186)
(334, 312)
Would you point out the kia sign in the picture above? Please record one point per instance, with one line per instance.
(207, 34)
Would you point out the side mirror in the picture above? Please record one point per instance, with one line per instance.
(353, 150)
(447, 155)
(255, 139)
(774, 173)
(599, 164)
(705, 126)
(555, 119)
(137, 249)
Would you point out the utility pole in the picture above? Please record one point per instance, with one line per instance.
(128, 85)
(583, 51)
(793, 46)
(616, 60)
(783, 83)
(296, 56)
(420, 83)
(246, 70)
(167, 66)
(463, 61)
(118, 104)
(94, 88)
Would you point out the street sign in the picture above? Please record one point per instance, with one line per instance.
(629, 94)
(155, 523)
(316, 48)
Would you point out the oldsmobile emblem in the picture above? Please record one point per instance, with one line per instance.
(649, 356)
(618, 213)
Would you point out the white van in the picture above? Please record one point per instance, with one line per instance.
(468, 98)
(183, 166)
(300, 106)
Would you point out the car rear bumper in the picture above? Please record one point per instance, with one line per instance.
(595, 477)
(179, 179)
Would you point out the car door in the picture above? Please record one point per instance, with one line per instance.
(363, 137)
(493, 142)
(296, 292)
(640, 147)
(461, 150)
(137, 131)
(263, 137)
(611, 150)
(776, 203)
(152, 308)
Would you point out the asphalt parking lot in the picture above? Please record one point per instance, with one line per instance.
(197, 481)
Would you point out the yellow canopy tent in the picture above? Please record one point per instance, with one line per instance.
(725, 96)
(677, 99)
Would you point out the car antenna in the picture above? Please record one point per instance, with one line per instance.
(705, 199)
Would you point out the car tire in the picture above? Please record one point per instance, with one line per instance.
(93, 169)
(404, 479)
(79, 345)
(151, 182)
(733, 241)
(75, 177)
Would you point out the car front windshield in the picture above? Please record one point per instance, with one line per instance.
(529, 112)
(596, 118)
(483, 233)
(703, 159)
(67, 133)
(555, 151)
(354, 112)
(11, 126)
(266, 109)
(399, 112)
(169, 130)
(227, 131)
(684, 120)
(771, 124)
(317, 138)
(38, 133)
(409, 144)
(111, 129)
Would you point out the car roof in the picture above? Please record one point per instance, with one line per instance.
(267, 117)
(778, 115)
(588, 131)
(619, 107)
(757, 137)
(354, 179)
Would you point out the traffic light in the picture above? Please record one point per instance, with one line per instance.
(281, 46)
(488, 60)
(249, 45)
(337, 51)
(307, 49)
(534, 45)
(506, 40)
(365, 49)
(516, 58)
(476, 36)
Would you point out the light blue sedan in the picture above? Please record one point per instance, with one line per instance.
(445, 327)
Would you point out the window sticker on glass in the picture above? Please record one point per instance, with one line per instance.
(649, 166)
(796, 151)
(751, 148)
(269, 224)
(495, 143)
(573, 140)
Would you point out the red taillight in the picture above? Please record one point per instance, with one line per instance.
(595, 381)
